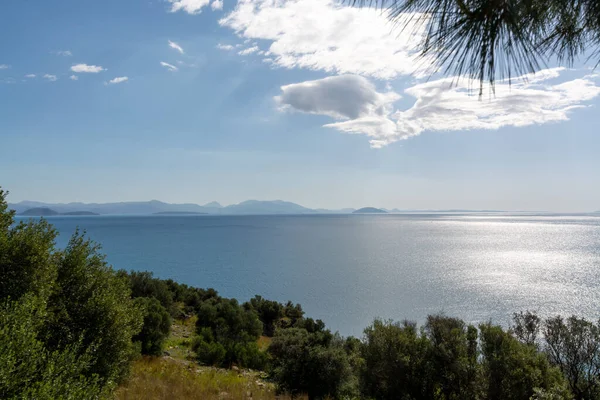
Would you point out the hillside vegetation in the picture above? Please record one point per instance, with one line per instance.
(71, 327)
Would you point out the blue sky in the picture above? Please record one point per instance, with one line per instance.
(267, 99)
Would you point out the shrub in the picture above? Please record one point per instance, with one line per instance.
(512, 370)
(269, 312)
(574, 346)
(395, 361)
(143, 284)
(452, 358)
(67, 319)
(28, 261)
(28, 370)
(302, 363)
(156, 326)
(208, 353)
(91, 304)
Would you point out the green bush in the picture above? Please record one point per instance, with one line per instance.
(269, 312)
(92, 304)
(512, 370)
(66, 319)
(156, 327)
(234, 328)
(208, 353)
(452, 358)
(395, 362)
(302, 363)
(28, 370)
(573, 345)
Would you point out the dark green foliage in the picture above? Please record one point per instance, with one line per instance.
(293, 312)
(228, 320)
(303, 362)
(269, 312)
(27, 258)
(143, 284)
(28, 370)
(574, 346)
(311, 325)
(92, 304)
(66, 319)
(446, 361)
(156, 328)
(235, 328)
(395, 362)
(452, 357)
(208, 352)
(512, 369)
(190, 297)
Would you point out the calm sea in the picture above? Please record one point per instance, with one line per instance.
(349, 269)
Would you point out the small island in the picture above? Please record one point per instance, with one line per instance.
(179, 213)
(369, 210)
(48, 212)
(80, 213)
(40, 212)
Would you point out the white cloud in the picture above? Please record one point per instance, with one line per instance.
(440, 105)
(119, 79)
(30, 76)
(248, 51)
(66, 53)
(51, 78)
(224, 46)
(170, 67)
(74, 77)
(325, 35)
(189, 6)
(175, 46)
(4, 66)
(216, 5)
(92, 69)
(340, 97)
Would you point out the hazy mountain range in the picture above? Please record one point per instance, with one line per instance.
(248, 207)
(159, 207)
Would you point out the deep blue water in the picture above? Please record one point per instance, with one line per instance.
(349, 269)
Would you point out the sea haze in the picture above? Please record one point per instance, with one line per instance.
(349, 269)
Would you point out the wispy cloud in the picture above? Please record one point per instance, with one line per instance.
(74, 78)
(216, 5)
(170, 67)
(30, 76)
(224, 46)
(175, 46)
(4, 66)
(84, 68)
(248, 51)
(119, 79)
(440, 105)
(51, 78)
(65, 53)
(188, 6)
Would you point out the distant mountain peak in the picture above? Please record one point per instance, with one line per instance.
(213, 204)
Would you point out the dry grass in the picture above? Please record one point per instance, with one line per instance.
(178, 377)
(179, 342)
(166, 378)
(263, 343)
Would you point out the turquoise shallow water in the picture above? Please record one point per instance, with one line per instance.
(348, 269)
